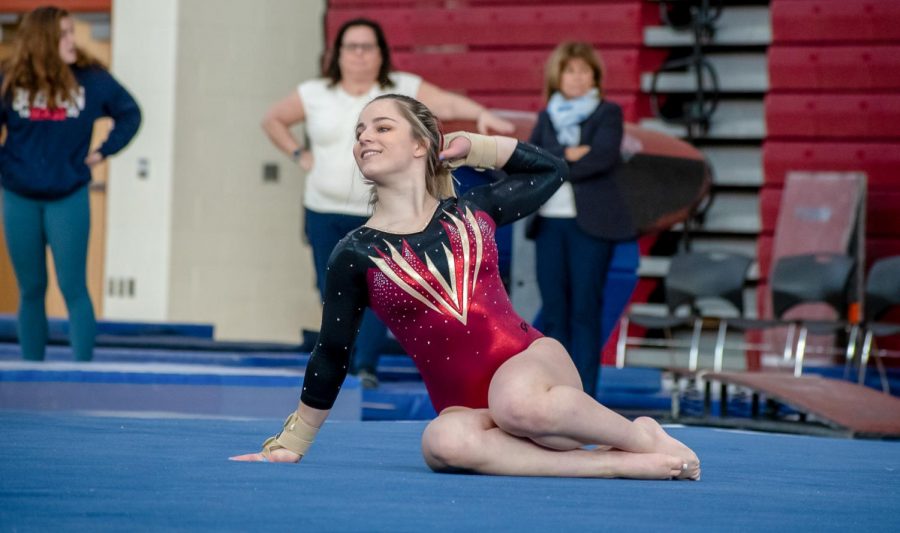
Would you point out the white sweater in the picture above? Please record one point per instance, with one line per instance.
(335, 184)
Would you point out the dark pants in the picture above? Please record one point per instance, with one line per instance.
(571, 272)
(63, 225)
(324, 230)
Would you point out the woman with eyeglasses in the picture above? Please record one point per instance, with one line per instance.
(335, 200)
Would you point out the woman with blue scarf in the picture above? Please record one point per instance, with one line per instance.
(576, 229)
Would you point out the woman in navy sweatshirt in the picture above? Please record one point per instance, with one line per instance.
(51, 93)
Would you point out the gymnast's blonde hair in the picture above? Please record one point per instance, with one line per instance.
(425, 128)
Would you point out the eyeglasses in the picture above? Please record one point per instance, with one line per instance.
(359, 47)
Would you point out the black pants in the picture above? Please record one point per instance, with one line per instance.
(571, 272)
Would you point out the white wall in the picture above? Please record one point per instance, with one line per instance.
(232, 249)
(138, 242)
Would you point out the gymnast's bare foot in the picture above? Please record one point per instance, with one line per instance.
(668, 445)
(642, 465)
(275, 456)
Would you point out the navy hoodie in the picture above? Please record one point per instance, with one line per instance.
(43, 156)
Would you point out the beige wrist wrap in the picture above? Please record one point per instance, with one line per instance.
(296, 436)
(483, 153)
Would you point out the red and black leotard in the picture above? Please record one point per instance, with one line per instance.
(438, 290)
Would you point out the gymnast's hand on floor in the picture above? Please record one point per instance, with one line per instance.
(275, 456)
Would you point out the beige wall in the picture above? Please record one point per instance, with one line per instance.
(138, 238)
(226, 247)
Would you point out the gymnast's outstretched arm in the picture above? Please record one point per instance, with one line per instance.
(345, 299)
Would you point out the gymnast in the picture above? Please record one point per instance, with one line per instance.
(510, 400)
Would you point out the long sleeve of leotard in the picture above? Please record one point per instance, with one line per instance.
(533, 175)
(346, 297)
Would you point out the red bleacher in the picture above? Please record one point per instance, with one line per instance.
(830, 116)
(834, 68)
(511, 70)
(337, 4)
(494, 51)
(73, 6)
(614, 23)
(833, 106)
(833, 21)
(633, 106)
(880, 161)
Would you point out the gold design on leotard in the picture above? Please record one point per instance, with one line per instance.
(451, 298)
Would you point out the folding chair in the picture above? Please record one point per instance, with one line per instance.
(882, 295)
(814, 278)
(694, 278)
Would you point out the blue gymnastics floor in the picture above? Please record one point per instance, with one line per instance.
(71, 472)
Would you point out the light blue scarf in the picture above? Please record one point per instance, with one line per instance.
(567, 115)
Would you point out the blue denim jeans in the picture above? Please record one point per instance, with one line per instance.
(324, 230)
(571, 273)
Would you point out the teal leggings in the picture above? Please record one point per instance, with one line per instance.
(64, 224)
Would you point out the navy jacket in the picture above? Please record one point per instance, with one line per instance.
(43, 155)
(599, 204)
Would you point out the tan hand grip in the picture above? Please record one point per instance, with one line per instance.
(483, 153)
(296, 436)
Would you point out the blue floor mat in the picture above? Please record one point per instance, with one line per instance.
(58, 329)
(401, 396)
(77, 473)
(177, 389)
(628, 389)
